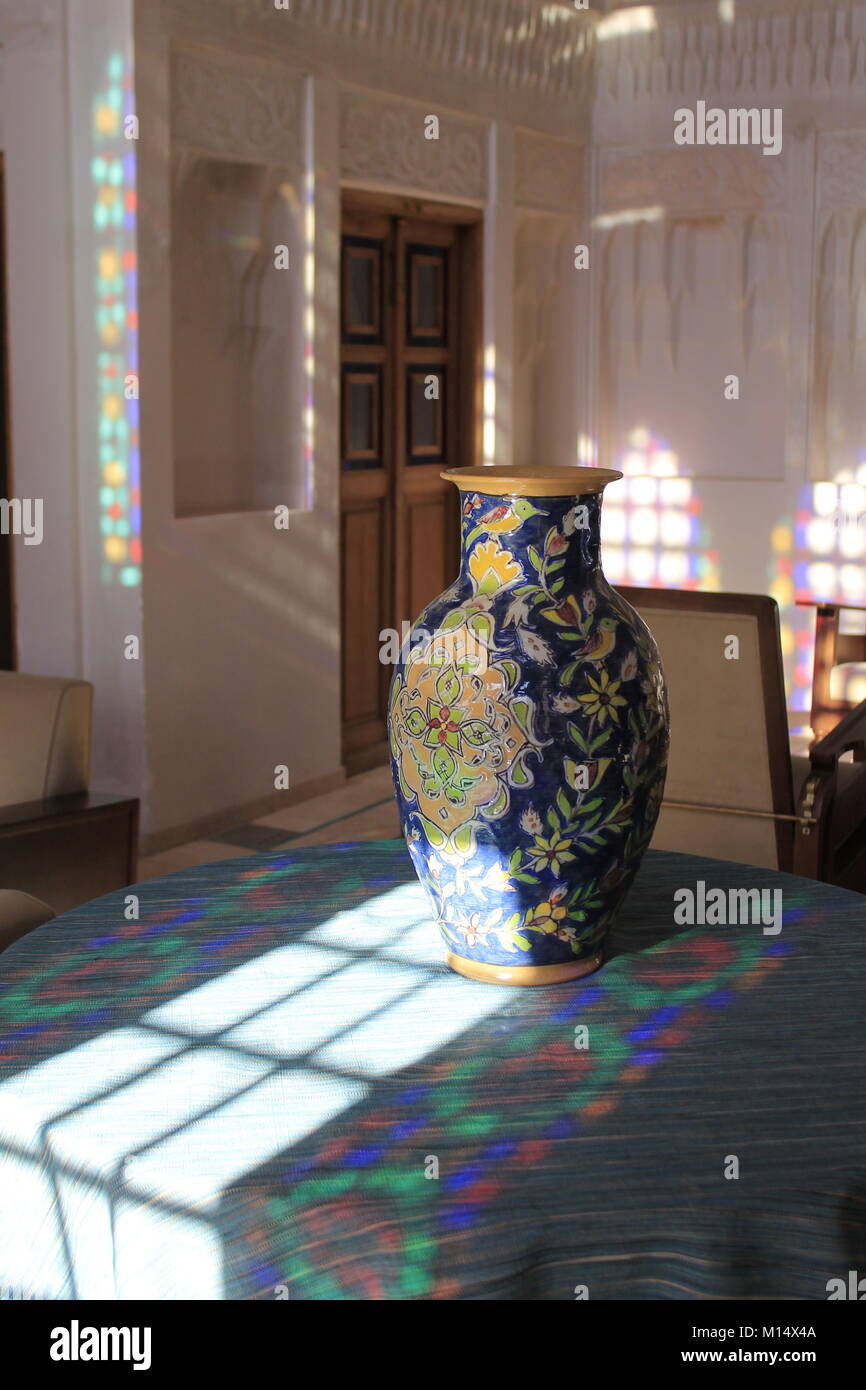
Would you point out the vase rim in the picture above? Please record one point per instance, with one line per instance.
(508, 481)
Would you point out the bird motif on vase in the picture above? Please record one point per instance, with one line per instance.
(502, 519)
(600, 643)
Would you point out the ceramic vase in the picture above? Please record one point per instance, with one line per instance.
(528, 727)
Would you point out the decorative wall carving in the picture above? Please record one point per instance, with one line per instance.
(512, 44)
(686, 304)
(839, 346)
(842, 169)
(771, 48)
(548, 173)
(688, 179)
(807, 57)
(236, 108)
(382, 141)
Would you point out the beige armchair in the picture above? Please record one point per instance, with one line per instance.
(58, 842)
(733, 791)
(45, 726)
(19, 914)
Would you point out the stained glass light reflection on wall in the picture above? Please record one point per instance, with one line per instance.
(113, 178)
(652, 532)
(819, 554)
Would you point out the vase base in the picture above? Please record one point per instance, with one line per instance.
(522, 974)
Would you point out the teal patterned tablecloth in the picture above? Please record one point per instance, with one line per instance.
(257, 1080)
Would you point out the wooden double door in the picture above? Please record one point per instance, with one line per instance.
(410, 397)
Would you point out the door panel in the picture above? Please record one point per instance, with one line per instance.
(410, 323)
(430, 551)
(428, 311)
(364, 544)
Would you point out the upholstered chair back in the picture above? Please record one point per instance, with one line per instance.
(45, 726)
(729, 731)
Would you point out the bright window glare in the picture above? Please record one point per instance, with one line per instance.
(101, 1134)
(821, 536)
(643, 492)
(644, 527)
(675, 492)
(194, 1167)
(31, 1238)
(850, 542)
(140, 1115)
(187, 1265)
(673, 568)
(426, 1020)
(305, 1021)
(613, 525)
(420, 946)
(675, 529)
(825, 498)
(641, 565)
(29, 1100)
(853, 584)
(373, 925)
(640, 20)
(238, 993)
(87, 1222)
(626, 217)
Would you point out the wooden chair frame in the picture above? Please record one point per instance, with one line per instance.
(823, 835)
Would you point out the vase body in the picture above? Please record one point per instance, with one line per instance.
(528, 728)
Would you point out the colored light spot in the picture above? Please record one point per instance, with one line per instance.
(106, 119)
(599, 1107)
(115, 549)
(113, 172)
(108, 263)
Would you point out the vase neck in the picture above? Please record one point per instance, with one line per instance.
(562, 533)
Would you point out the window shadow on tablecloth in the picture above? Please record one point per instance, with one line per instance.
(303, 1160)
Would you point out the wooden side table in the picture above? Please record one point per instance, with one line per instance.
(69, 849)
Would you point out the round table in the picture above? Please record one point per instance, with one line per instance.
(256, 1079)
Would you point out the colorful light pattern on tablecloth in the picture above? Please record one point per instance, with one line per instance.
(457, 1101)
(113, 175)
(663, 1011)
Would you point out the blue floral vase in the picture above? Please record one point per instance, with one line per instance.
(528, 727)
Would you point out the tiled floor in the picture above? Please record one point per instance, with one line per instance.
(362, 809)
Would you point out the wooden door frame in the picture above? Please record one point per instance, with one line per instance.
(471, 221)
(362, 203)
(371, 487)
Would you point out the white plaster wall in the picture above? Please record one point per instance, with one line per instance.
(717, 260)
(241, 621)
(68, 621)
(33, 116)
(98, 30)
(552, 366)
